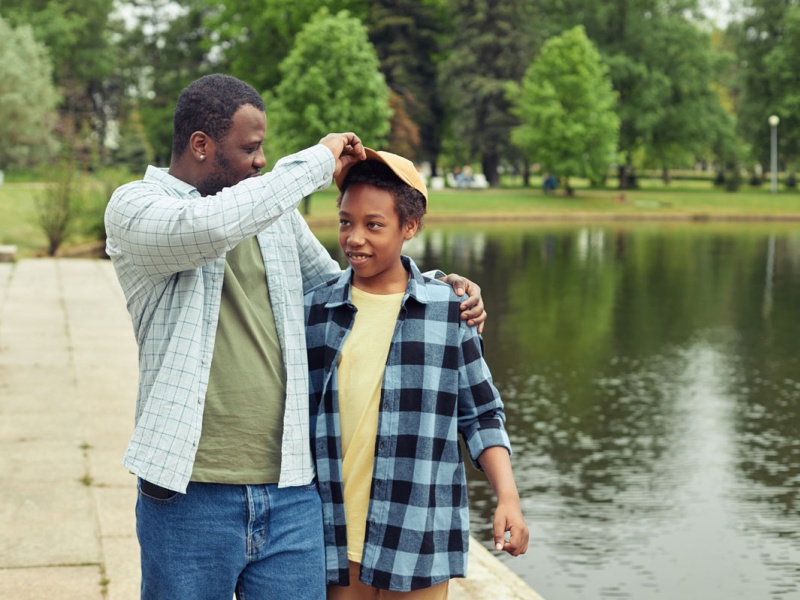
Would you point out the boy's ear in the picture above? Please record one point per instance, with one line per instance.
(410, 228)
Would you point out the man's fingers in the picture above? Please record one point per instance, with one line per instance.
(344, 145)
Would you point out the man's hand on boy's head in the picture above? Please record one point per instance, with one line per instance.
(346, 148)
(472, 309)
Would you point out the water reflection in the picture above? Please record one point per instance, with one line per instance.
(652, 385)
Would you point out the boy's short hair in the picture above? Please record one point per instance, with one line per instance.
(394, 174)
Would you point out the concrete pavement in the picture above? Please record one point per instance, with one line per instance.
(67, 395)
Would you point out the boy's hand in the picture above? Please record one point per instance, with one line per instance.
(472, 310)
(508, 517)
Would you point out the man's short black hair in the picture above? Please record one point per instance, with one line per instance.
(408, 202)
(208, 105)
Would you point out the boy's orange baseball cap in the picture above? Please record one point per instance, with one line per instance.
(402, 167)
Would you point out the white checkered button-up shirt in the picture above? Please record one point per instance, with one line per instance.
(168, 246)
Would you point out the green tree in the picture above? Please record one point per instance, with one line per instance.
(166, 47)
(491, 46)
(256, 36)
(133, 151)
(691, 120)
(782, 67)
(408, 36)
(78, 34)
(28, 98)
(566, 107)
(330, 82)
(768, 78)
(664, 68)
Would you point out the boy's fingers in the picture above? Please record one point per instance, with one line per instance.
(499, 526)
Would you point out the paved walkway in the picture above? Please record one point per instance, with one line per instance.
(67, 394)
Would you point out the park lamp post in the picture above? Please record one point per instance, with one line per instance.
(773, 124)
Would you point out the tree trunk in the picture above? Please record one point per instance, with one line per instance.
(665, 176)
(489, 164)
(526, 174)
(622, 175)
(568, 191)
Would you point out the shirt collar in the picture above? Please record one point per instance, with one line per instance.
(416, 288)
(162, 176)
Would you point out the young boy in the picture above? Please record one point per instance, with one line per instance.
(395, 376)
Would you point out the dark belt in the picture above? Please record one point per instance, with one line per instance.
(156, 491)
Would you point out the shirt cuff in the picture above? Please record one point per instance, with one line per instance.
(325, 157)
(486, 438)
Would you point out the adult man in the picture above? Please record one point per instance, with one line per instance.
(227, 499)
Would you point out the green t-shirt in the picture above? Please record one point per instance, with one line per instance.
(243, 415)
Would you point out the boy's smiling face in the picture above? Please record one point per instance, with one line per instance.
(372, 237)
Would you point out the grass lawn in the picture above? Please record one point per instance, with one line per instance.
(689, 201)
(18, 225)
(656, 204)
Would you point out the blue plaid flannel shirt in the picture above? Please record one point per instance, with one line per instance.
(436, 385)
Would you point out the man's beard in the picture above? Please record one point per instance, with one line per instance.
(218, 178)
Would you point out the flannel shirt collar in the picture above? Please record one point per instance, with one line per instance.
(340, 292)
(163, 176)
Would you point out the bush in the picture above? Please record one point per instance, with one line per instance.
(57, 205)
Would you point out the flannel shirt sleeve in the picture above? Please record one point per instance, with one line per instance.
(481, 418)
(316, 264)
(162, 234)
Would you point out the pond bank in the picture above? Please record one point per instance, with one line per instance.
(318, 221)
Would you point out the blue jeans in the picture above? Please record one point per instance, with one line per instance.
(255, 541)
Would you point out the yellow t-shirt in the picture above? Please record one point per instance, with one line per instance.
(361, 366)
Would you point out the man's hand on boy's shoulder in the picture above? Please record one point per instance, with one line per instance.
(472, 309)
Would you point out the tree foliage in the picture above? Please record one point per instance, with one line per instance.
(408, 35)
(490, 48)
(166, 47)
(691, 121)
(767, 45)
(782, 65)
(681, 94)
(566, 107)
(330, 82)
(665, 70)
(79, 35)
(256, 36)
(28, 98)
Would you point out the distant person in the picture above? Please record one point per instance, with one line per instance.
(459, 177)
(213, 260)
(467, 175)
(395, 376)
(549, 183)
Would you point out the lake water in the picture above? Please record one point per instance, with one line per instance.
(651, 377)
